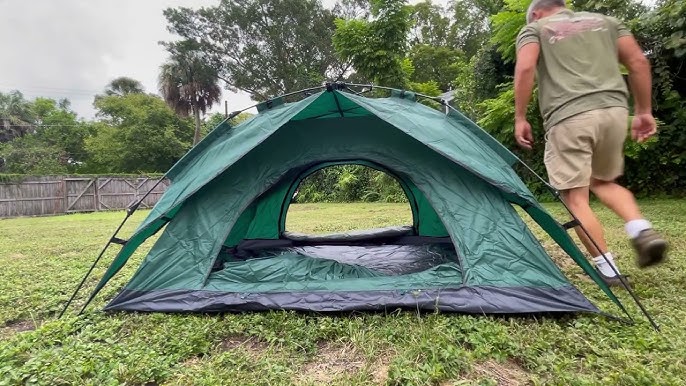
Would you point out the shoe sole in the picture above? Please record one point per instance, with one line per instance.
(654, 253)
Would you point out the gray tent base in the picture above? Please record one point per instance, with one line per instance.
(473, 300)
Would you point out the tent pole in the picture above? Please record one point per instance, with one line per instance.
(129, 211)
(626, 286)
(621, 279)
(78, 288)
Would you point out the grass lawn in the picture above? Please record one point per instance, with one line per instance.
(42, 259)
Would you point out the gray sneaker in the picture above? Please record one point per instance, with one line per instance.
(651, 248)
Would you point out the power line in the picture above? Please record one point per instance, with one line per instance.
(67, 89)
(38, 125)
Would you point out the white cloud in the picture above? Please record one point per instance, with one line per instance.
(72, 49)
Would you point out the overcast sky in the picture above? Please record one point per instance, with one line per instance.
(74, 48)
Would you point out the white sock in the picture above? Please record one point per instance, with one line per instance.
(603, 265)
(635, 227)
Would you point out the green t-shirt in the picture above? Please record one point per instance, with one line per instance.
(578, 67)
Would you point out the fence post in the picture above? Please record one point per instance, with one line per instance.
(66, 194)
(96, 196)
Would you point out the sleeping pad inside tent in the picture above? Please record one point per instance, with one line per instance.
(223, 245)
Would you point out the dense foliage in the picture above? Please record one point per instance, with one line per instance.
(267, 48)
(133, 132)
(350, 183)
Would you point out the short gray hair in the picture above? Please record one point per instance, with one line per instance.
(542, 4)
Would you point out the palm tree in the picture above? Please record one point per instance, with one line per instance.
(16, 116)
(124, 85)
(189, 85)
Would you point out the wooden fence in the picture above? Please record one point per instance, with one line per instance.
(40, 196)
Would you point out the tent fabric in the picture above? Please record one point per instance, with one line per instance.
(236, 185)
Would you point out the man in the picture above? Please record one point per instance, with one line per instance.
(583, 98)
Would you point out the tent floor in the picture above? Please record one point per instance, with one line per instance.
(390, 251)
(381, 260)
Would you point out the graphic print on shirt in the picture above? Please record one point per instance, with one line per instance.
(560, 28)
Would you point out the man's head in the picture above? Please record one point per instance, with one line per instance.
(543, 8)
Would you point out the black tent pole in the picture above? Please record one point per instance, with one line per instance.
(626, 286)
(109, 242)
(129, 211)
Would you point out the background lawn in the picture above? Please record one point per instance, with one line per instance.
(42, 259)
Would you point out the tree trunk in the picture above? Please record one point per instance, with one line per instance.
(196, 136)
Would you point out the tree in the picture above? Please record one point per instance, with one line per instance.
(377, 48)
(189, 85)
(352, 9)
(439, 64)
(430, 25)
(16, 116)
(50, 138)
(215, 119)
(136, 133)
(263, 47)
(434, 54)
(59, 127)
(471, 28)
(662, 35)
(29, 155)
(123, 85)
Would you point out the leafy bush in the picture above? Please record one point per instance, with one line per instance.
(350, 183)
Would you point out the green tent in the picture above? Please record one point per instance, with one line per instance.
(224, 246)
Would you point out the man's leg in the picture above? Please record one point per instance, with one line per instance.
(650, 247)
(569, 159)
(608, 164)
(577, 200)
(617, 198)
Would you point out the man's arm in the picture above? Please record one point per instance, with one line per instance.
(640, 80)
(525, 70)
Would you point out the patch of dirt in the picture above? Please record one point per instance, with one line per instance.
(560, 257)
(192, 361)
(506, 374)
(333, 360)
(17, 256)
(380, 370)
(16, 326)
(251, 345)
(20, 325)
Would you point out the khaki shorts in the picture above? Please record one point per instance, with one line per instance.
(586, 145)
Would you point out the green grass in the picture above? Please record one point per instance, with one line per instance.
(42, 259)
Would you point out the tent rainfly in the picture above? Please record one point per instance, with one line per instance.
(224, 246)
